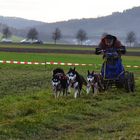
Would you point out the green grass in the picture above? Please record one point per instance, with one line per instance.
(67, 58)
(29, 111)
(134, 60)
(39, 116)
(136, 49)
(50, 57)
(48, 46)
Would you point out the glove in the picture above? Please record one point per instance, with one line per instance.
(97, 51)
(122, 50)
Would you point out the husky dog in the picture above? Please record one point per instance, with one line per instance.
(94, 81)
(59, 82)
(76, 81)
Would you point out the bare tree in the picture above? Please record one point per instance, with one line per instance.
(130, 38)
(6, 32)
(32, 34)
(81, 36)
(56, 35)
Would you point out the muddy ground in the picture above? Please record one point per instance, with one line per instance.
(36, 50)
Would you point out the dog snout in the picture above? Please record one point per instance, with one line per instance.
(70, 79)
(89, 80)
(54, 84)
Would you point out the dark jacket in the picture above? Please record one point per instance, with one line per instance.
(116, 45)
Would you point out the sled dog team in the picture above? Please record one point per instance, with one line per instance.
(62, 83)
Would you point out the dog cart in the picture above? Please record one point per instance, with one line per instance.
(113, 72)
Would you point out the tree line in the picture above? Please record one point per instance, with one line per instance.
(81, 35)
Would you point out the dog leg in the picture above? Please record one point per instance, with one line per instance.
(76, 90)
(96, 88)
(58, 93)
(66, 91)
(88, 88)
(54, 92)
(55, 95)
(76, 93)
(79, 92)
(63, 92)
(69, 89)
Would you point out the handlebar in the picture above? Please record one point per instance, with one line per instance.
(118, 50)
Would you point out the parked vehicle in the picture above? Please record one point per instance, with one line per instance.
(29, 41)
(5, 40)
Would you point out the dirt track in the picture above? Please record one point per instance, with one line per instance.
(30, 50)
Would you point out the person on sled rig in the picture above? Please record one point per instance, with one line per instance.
(110, 43)
(112, 49)
(112, 71)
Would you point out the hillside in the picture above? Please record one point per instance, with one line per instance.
(19, 23)
(117, 23)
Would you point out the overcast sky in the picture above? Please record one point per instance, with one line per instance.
(58, 10)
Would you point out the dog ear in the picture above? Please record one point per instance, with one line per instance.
(88, 72)
(93, 72)
(74, 69)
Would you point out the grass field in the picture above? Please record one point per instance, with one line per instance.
(48, 46)
(29, 111)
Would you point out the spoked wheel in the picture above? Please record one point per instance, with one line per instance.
(132, 82)
(106, 84)
(119, 84)
(129, 82)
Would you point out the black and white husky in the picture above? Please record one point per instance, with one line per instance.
(59, 82)
(76, 81)
(94, 82)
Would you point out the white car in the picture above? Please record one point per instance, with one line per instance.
(25, 41)
(5, 40)
(29, 41)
